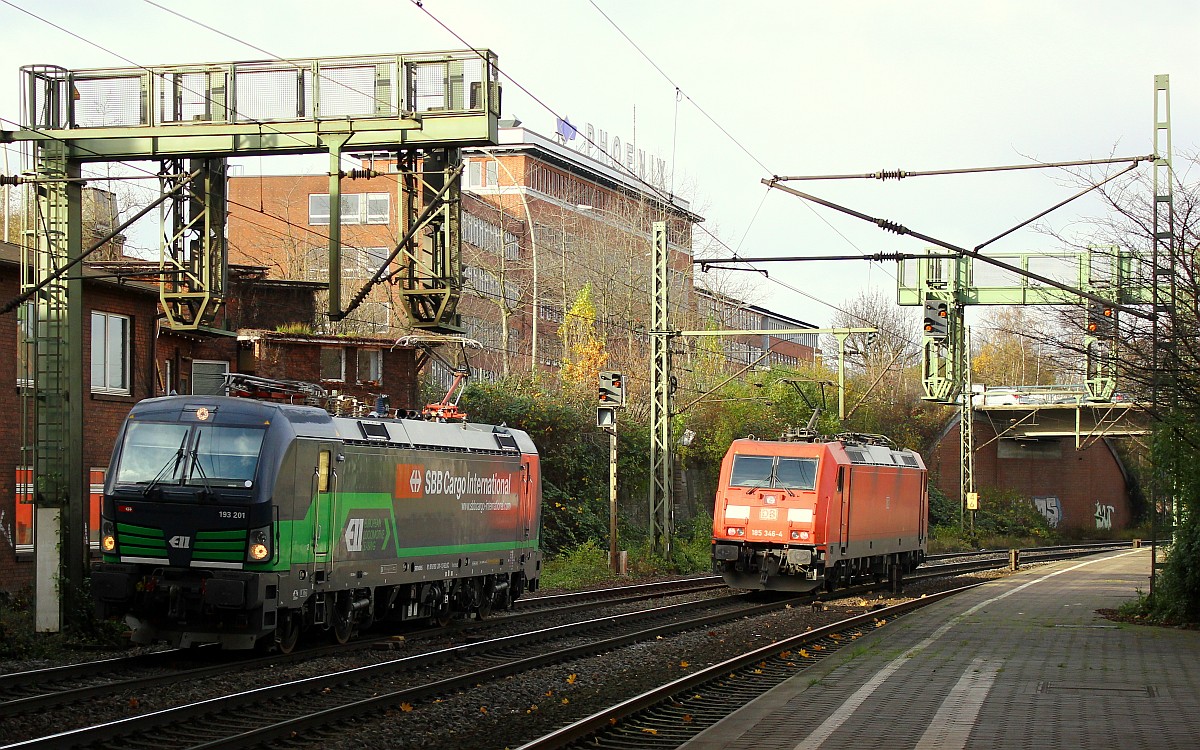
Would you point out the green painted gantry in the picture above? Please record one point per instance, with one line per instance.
(1105, 275)
(420, 107)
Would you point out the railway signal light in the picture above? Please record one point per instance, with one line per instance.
(1101, 320)
(606, 416)
(937, 319)
(611, 389)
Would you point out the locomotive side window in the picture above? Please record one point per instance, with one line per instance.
(323, 471)
(796, 473)
(751, 471)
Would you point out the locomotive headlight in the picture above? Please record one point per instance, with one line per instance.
(259, 548)
(108, 536)
(795, 535)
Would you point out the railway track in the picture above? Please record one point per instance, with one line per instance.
(673, 713)
(272, 714)
(43, 689)
(669, 715)
(375, 685)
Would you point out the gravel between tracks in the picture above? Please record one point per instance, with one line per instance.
(494, 716)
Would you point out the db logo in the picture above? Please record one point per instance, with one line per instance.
(410, 480)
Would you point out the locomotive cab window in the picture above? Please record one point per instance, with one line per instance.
(225, 456)
(774, 472)
(751, 471)
(796, 473)
(207, 457)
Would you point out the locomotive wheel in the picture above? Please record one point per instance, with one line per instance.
(288, 632)
(484, 610)
(342, 619)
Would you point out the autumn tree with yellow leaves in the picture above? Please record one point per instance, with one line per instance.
(584, 350)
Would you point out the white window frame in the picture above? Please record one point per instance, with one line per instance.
(374, 361)
(104, 386)
(315, 215)
(356, 208)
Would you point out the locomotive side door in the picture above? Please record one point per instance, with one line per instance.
(324, 487)
(844, 494)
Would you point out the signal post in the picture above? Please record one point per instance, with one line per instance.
(611, 390)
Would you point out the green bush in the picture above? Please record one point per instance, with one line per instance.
(586, 564)
(81, 630)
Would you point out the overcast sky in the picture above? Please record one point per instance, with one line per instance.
(787, 88)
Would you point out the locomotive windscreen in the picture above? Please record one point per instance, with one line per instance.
(774, 471)
(796, 473)
(156, 453)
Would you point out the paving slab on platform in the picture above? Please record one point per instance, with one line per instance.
(1020, 662)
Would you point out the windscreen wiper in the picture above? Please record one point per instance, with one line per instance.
(198, 468)
(172, 463)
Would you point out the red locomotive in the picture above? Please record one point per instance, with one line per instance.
(809, 513)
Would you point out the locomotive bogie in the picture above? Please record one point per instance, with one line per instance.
(800, 516)
(333, 524)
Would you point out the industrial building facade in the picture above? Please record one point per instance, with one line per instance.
(551, 237)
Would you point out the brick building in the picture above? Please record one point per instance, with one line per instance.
(1084, 490)
(128, 355)
(789, 350)
(541, 219)
(119, 331)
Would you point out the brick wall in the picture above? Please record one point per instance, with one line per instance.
(102, 413)
(286, 357)
(262, 304)
(1088, 485)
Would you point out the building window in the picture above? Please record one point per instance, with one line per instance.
(481, 173)
(23, 541)
(95, 502)
(110, 353)
(25, 346)
(357, 208)
(378, 207)
(318, 209)
(208, 377)
(333, 363)
(370, 366)
(361, 262)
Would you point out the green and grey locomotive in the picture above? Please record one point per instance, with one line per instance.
(243, 523)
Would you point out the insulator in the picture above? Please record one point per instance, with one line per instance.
(6, 179)
(891, 226)
(360, 174)
(891, 174)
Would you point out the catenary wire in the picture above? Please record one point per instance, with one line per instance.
(289, 223)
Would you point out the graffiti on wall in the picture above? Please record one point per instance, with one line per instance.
(6, 530)
(1050, 507)
(1104, 514)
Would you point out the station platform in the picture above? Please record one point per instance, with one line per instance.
(1020, 662)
